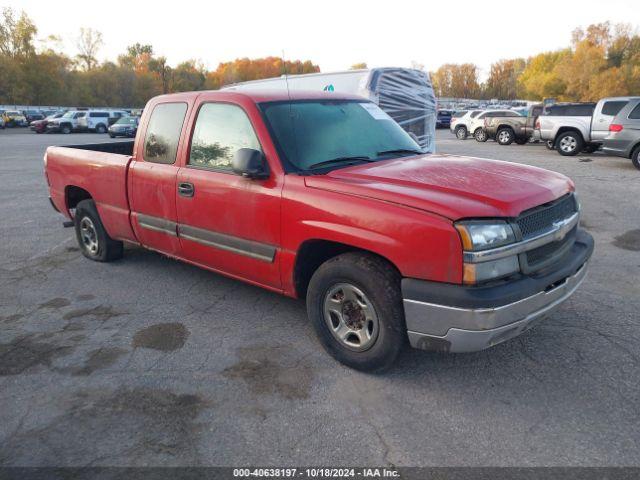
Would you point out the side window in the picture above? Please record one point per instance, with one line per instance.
(221, 129)
(163, 132)
(635, 113)
(613, 108)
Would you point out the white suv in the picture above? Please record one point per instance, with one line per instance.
(460, 124)
(99, 121)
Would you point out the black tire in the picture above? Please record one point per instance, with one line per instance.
(112, 135)
(461, 132)
(106, 248)
(569, 144)
(505, 136)
(66, 129)
(100, 128)
(480, 135)
(591, 148)
(635, 158)
(379, 282)
(521, 141)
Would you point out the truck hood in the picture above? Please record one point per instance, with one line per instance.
(451, 186)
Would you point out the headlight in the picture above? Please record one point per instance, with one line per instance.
(481, 235)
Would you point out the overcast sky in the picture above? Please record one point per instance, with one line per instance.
(333, 34)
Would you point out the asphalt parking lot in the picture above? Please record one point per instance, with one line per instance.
(149, 361)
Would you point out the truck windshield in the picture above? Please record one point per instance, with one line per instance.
(327, 134)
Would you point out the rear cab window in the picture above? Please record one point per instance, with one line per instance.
(163, 133)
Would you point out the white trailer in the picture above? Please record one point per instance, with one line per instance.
(405, 94)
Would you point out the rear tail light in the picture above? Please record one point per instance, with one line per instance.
(615, 127)
(537, 124)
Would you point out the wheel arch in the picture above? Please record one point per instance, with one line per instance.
(314, 252)
(562, 130)
(74, 195)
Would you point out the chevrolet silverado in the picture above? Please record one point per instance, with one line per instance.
(322, 196)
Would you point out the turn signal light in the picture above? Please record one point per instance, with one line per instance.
(615, 127)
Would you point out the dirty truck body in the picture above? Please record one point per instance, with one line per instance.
(324, 197)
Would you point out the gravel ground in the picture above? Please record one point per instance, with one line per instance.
(149, 361)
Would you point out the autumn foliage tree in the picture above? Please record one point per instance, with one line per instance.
(46, 76)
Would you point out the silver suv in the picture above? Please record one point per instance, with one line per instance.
(624, 133)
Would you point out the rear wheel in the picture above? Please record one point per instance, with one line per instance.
(94, 241)
(461, 133)
(355, 306)
(569, 144)
(505, 136)
(100, 128)
(480, 135)
(66, 129)
(635, 158)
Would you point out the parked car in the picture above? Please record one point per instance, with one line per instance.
(571, 128)
(99, 121)
(40, 126)
(33, 115)
(476, 124)
(280, 166)
(443, 119)
(14, 118)
(512, 127)
(624, 133)
(460, 124)
(67, 123)
(124, 127)
(1, 122)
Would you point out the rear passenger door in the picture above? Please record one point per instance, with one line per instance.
(227, 222)
(152, 179)
(603, 116)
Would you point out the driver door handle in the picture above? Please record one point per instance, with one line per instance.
(185, 189)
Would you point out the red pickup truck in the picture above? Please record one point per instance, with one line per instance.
(322, 196)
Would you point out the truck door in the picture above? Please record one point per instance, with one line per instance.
(603, 115)
(152, 179)
(227, 222)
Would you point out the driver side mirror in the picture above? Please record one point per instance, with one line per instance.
(250, 163)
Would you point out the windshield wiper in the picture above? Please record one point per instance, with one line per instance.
(400, 150)
(340, 160)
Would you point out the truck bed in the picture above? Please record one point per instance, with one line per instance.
(95, 170)
(120, 148)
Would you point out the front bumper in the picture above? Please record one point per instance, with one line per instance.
(455, 318)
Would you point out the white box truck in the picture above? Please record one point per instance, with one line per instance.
(405, 94)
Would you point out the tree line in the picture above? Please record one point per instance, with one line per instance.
(37, 72)
(603, 60)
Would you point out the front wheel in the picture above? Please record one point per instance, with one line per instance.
(480, 135)
(66, 129)
(461, 133)
(505, 136)
(94, 241)
(570, 144)
(355, 305)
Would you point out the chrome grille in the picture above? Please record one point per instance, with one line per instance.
(539, 256)
(537, 220)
